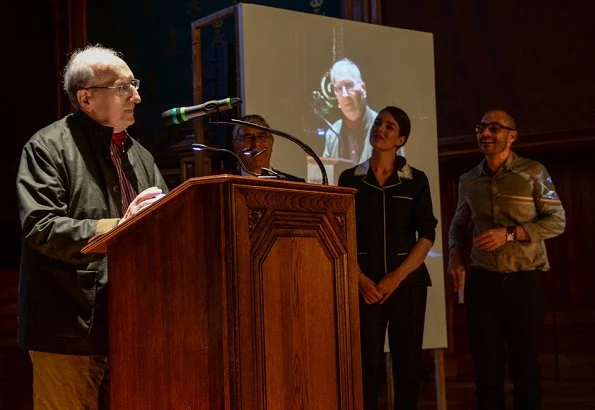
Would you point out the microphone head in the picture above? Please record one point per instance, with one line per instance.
(178, 115)
(168, 113)
(233, 101)
(199, 147)
(252, 152)
(171, 116)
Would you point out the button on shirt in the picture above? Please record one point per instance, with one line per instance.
(520, 193)
(391, 218)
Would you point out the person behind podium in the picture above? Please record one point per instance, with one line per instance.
(395, 228)
(78, 178)
(348, 136)
(249, 141)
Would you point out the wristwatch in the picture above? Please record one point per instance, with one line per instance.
(510, 234)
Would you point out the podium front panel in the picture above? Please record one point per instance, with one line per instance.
(237, 294)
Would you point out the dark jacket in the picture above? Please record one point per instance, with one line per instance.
(68, 192)
(389, 219)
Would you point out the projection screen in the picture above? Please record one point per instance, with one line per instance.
(285, 59)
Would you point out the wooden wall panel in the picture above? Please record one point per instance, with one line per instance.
(493, 55)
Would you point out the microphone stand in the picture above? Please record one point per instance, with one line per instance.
(202, 147)
(253, 154)
(291, 138)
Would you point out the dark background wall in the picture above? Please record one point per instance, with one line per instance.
(29, 100)
(531, 60)
(156, 40)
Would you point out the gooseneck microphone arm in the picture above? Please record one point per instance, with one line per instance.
(330, 126)
(291, 138)
(202, 147)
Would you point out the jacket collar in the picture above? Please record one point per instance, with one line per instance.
(403, 169)
(100, 135)
(403, 172)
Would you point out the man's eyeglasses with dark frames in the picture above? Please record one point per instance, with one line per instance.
(493, 127)
(123, 89)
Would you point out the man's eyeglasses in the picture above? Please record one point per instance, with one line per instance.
(252, 139)
(122, 89)
(345, 86)
(493, 127)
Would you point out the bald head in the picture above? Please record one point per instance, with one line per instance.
(499, 116)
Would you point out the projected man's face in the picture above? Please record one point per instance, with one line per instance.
(256, 140)
(350, 92)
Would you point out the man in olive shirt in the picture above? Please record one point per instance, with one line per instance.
(513, 207)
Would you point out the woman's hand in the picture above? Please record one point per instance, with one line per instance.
(367, 288)
(388, 284)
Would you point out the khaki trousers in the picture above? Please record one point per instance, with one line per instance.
(68, 382)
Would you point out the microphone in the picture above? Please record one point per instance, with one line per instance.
(271, 173)
(179, 115)
(305, 147)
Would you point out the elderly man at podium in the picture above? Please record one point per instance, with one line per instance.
(254, 148)
(78, 178)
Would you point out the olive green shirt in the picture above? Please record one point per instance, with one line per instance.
(520, 193)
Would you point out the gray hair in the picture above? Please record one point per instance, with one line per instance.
(347, 65)
(248, 118)
(85, 64)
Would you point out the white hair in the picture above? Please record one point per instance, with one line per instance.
(347, 65)
(85, 64)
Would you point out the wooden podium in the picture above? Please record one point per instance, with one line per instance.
(236, 293)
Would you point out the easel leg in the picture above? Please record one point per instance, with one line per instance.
(390, 392)
(439, 378)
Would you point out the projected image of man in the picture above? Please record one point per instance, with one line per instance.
(348, 136)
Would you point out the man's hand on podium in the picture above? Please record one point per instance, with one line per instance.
(146, 198)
